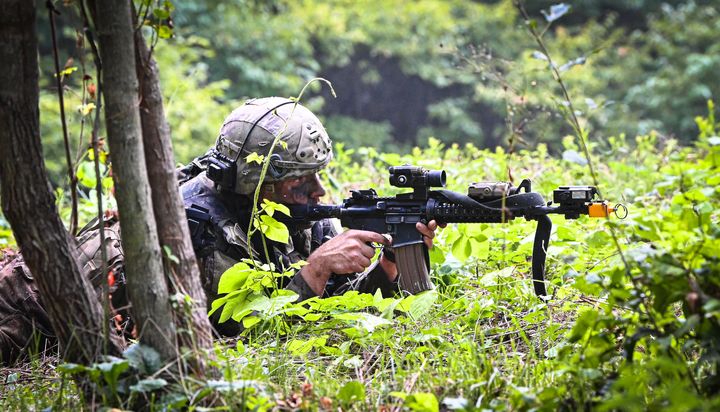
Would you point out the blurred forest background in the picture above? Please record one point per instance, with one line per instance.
(404, 71)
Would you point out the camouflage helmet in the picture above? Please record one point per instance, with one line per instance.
(252, 127)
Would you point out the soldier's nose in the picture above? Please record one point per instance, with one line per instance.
(318, 190)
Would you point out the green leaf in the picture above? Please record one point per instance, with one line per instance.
(418, 305)
(462, 249)
(271, 207)
(67, 71)
(256, 302)
(422, 402)
(71, 368)
(161, 14)
(352, 392)
(234, 278)
(599, 239)
(273, 229)
(164, 32)
(565, 233)
(584, 325)
(112, 369)
(254, 157)
(143, 358)
(148, 385)
(250, 321)
(299, 347)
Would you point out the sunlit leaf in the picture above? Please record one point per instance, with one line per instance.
(273, 229)
(255, 158)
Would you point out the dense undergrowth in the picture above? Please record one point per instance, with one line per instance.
(631, 331)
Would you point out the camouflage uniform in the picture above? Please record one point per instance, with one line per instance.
(24, 323)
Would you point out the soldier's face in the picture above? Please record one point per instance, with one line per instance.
(297, 191)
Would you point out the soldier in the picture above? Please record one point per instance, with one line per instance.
(217, 189)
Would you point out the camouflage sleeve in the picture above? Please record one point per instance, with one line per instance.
(23, 321)
(299, 286)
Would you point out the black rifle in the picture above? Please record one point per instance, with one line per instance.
(486, 202)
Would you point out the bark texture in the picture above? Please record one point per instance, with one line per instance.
(192, 323)
(146, 284)
(28, 201)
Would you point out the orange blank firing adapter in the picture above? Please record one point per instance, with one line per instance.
(601, 209)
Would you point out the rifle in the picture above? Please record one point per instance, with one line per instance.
(486, 202)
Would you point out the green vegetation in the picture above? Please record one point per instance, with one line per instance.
(611, 337)
(458, 71)
(439, 84)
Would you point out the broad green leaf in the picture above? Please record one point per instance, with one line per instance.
(583, 326)
(161, 14)
(148, 385)
(164, 32)
(300, 347)
(234, 278)
(230, 305)
(422, 402)
(418, 305)
(255, 302)
(250, 321)
(143, 358)
(599, 239)
(565, 233)
(462, 249)
(274, 230)
(112, 369)
(352, 392)
(71, 368)
(271, 207)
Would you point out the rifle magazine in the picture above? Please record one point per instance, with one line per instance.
(413, 268)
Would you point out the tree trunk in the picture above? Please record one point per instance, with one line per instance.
(28, 200)
(193, 325)
(146, 284)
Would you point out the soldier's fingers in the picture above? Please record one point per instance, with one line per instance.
(368, 236)
(367, 250)
(363, 262)
(425, 230)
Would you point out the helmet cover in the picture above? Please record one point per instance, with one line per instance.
(252, 127)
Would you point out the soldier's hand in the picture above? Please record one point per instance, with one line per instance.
(428, 231)
(349, 252)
